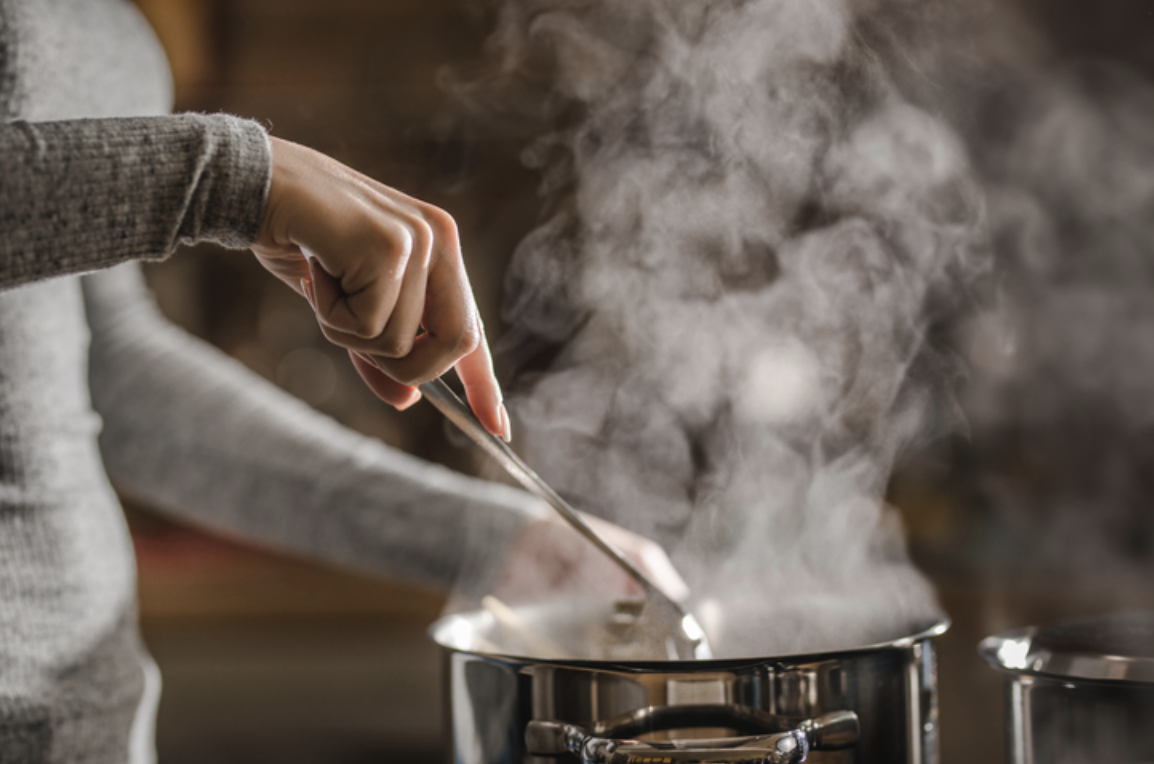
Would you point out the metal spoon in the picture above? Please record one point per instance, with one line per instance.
(683, 636)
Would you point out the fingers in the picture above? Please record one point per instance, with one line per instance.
(454, 334)
(385, 267)
(373, 296)
(449, 316)
(483, 392)
(435, 351)
(395, 340)
(388, 390)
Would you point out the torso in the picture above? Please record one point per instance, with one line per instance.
(72, 673)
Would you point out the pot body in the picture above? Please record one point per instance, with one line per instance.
(1079, 692)
(492, 698)
(1062, 721)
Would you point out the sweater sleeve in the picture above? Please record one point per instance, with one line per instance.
(81, 195)
(195, 433)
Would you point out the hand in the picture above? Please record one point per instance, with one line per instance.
(385, 267)
(550, 558)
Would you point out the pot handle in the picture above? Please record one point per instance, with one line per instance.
(831, 731)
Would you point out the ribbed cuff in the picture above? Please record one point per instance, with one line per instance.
(233, 182)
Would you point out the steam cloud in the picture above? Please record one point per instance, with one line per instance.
(1064, 363)
(753, 233)
(1054, 471)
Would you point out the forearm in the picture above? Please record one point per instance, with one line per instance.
(196, 434)
(80, 195)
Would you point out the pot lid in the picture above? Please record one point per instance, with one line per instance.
(1112, 648)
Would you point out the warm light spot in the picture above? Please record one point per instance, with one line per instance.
(782, 383)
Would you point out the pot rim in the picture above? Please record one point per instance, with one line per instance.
(441, 632)
(1090, 649)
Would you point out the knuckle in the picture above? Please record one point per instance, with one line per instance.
(469, 339)
(443, 224)
(423, 239)
(363, 317)
(442, 221)
(391, 240)
(365, 328)
(393, 347)
(381, 238)
(356, 324)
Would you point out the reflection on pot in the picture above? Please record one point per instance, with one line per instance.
(867, 706)
(1079, 692)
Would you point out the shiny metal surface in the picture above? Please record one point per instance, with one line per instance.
(613, 743)
(665, 628)
(494, 695)
(1078, 692)
(1116, 647)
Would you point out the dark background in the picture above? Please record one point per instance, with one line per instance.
(268, 658)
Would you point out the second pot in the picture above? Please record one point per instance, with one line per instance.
(1080, 692)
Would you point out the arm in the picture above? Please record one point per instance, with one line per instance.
(196, 434)
(388, 280)
(192, 431)
(81, 195)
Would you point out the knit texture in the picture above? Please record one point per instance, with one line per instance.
(80, 195)
(197, 434)
(93, 379)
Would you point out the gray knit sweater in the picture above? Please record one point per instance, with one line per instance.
(93, 383)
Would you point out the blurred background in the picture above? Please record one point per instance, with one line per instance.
(1019, 520)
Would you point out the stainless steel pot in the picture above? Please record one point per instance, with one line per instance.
(867, 705)
(1078, 692)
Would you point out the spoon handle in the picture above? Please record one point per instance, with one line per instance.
(438, 393)
(688, 638)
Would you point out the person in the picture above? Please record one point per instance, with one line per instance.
(96, 388)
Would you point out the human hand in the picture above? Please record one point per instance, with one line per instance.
(550, 558)
(385, 278)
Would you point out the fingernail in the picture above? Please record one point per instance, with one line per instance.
(313, 266)
(411, 402)
(307, 289)
(506, 430)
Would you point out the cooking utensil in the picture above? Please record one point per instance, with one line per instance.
(869, 705)
(663, 620)
(1080, 692)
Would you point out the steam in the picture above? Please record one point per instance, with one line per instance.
(1055, 471)
(753, 233)
(1060, 402)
